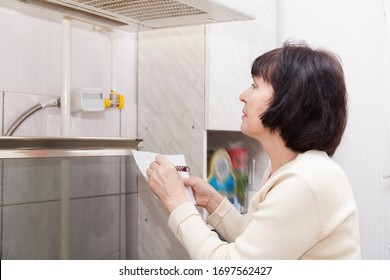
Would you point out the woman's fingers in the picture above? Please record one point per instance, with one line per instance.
(161, 159)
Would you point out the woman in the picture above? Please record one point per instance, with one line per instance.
(297, 109)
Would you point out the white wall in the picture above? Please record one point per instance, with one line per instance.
(30, 71)
(230, 50)
(355, 30)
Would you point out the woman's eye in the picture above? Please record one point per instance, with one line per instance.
(253, 86)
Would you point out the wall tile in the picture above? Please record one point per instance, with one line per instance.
(31, 54)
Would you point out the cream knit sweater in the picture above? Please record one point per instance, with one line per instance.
(305, 210)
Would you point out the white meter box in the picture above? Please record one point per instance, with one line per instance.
(87, 100)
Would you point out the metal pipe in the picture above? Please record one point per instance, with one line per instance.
(65, 132)
(114, 60)
(114, 71)
(29, 112)
(66, 75)
(22, 118)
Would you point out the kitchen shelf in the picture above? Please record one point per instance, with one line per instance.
(41, 147)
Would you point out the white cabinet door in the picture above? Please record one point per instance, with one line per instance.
(230, 50)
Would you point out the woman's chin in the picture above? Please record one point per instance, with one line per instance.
(243, 129)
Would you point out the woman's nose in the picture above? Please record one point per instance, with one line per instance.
(244, 95)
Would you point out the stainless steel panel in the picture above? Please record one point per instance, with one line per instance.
(101, 214)
(39, 147)
(94, 228)
(131, 226)
(31, 231)
(102, 218)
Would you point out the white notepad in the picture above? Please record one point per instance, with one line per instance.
(144, 159)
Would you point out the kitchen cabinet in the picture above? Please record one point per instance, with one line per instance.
(230, 49)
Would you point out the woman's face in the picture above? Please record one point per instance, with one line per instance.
(256, 101)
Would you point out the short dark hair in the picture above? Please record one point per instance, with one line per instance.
(309, 106)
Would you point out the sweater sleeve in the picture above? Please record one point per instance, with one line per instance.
(227, 221)
(285, 225)
(193, 233)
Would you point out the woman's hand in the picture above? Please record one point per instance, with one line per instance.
(205, 195)
(166, 183)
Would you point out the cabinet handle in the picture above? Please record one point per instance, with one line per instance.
(386, 176)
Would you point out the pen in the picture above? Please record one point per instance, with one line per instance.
(182, 168)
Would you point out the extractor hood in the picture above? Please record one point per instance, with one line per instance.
(151, 14)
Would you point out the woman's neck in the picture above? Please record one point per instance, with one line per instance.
(277, 151)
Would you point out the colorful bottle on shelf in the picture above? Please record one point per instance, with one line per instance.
(239, 159)
(221, 175)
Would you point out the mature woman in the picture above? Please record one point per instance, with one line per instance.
(296, 108)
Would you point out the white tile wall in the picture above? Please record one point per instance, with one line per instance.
(364, 151)
(30, 51)
(30, 56)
